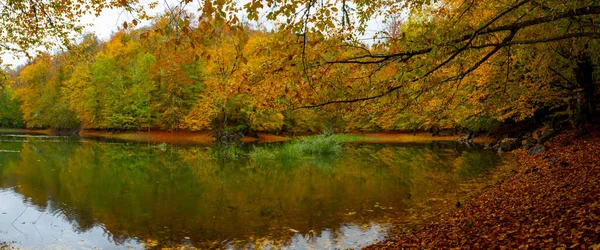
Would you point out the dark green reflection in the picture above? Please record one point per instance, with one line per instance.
(190, 195)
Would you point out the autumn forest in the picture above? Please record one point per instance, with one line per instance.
(334, 124)
(464, 64)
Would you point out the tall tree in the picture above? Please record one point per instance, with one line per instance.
(10, 112)
(41, 94)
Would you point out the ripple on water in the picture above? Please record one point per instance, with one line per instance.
(116, 195)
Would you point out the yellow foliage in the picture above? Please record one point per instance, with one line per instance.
(265, 120)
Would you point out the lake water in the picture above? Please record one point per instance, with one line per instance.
(64, 192)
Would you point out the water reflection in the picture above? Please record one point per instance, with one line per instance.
(68, 192)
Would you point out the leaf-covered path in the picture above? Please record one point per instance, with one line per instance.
(551, 201)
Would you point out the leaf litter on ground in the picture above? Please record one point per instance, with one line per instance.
(549, 200)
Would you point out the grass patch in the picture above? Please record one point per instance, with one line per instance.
(9, 130)
(310, 147)
(20, 130)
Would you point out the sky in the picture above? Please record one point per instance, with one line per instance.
(109, 21)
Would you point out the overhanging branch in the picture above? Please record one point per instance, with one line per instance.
(508, 41)
(583, 11)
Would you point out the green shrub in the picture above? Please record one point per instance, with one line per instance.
(242, 128)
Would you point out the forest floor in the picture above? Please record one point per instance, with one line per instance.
(548, 201)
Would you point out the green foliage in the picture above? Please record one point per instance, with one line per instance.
(242, 128)
(59, 116)
(122, 94)
(10, 112)
(132, 110)
(265, 120)
(42, 99)
(310, 147)
(481, 123)
(303, 120)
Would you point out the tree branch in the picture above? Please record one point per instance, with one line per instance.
(469, 37)
(541, 40)
(583, 11)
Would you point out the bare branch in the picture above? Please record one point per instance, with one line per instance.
(588, 10)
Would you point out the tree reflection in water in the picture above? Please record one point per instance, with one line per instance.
(112, 194)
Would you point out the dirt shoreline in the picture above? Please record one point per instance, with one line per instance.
(177, 137)
(548, 201)
(205, 137)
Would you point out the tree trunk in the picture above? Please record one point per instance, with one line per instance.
(584, 74)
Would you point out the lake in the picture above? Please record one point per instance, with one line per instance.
(58, 192)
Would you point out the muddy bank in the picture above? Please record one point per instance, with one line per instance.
(178, 137)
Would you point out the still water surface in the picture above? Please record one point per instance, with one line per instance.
(58, 192)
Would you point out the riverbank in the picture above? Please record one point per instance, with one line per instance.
(205, 137)
(177, 137)
(405, 137)
(550, 200)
